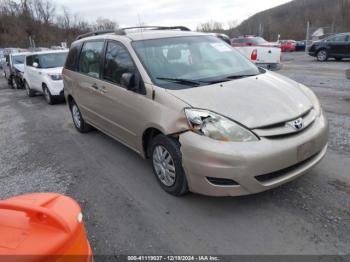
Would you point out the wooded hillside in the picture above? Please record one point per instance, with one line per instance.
(289, 20)
(44, 22)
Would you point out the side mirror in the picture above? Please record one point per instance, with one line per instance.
(133, 82)
(35, 64)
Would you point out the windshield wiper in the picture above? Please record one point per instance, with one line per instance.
(228, 78)
(238, 76)
(182, 81)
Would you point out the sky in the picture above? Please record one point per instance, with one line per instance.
(189, 13)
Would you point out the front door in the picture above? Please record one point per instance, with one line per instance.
(121, 108)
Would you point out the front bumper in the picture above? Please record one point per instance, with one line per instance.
(56, 88)
(254, 166)
(311, 53)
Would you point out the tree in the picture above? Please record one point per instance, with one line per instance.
(211, 26)
(104, 24)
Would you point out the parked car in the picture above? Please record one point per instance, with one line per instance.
(300, 45)
(288, 45)
(14, 69)
(259, 51)
(335, 46)
(43, 74)
(210, 120)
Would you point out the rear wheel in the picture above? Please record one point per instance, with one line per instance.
(78, 120)
(29, 91)
(322, 55)
(167, 165)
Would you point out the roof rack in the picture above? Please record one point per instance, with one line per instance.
(122, 31)
(102, 32)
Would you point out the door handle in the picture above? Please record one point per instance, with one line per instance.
(103, 89)
(95, 86)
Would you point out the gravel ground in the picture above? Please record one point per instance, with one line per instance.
(125, 210)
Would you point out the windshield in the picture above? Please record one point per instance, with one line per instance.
(259, 40)
(52, 60)
(18, 59)
(192, 61)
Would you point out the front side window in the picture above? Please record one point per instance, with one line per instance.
(192, 61)
(29, 61)
(117, 62)
(51, 60)
(90, 58)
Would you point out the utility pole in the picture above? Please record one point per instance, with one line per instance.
(307, 37)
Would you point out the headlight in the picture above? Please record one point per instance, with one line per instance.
(313, 98)
(55, 77)
(217, 127)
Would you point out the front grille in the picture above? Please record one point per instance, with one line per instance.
(274, 175)
(285, 129)
(222, 181)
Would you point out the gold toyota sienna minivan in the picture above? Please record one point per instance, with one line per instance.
(210, 121)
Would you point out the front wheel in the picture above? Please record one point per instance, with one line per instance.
(48, 97)
(322, 55)
(29, 91)
(14, 83)
(10, 82)
(167, 165)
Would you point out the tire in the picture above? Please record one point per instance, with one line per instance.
(14, 83)
(322, 55)
(167, 167)
(30, 92)
(78, 119)
(9, 81)
(48, 97)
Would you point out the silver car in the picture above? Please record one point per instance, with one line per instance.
(210, 120)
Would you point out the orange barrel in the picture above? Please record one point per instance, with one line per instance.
(42, 227)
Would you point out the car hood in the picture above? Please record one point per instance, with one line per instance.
(19, 67)
(255, 102)
(56, 70)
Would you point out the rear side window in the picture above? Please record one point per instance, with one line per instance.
(117, 62)
(339, 38)
(90, 58)
(72, 58)
(29, 60)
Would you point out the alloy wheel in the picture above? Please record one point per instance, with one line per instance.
(14, 84)
(322, 55)
(27, 89)
(76, 116)
(47, 95)
(164, 166)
